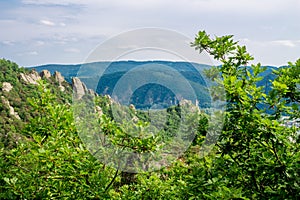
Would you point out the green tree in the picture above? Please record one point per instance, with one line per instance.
(255, 151)
(52, 162)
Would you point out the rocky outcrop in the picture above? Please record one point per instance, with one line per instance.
(79, 88)
(12, 112)
(58, 77)
(6, 87)
(189, 104)
(61, 88)
(91, 92)
(98, 110)
(132, 107)
(33, 77)
(30, 78)
(110, 100)
(45, 74)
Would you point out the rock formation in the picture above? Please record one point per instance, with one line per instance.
(91, 92)
(6, 87)
(110, 99)
(45, 74)
(79, 88)
(31, 78)
(189, 104)
(10, 108)
(61, 88)
(98, 110)
(58, 77)
(132, 107)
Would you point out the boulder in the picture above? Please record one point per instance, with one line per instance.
(61, 88)
(6, 87)
(91, 92)
(110, 99)
(10, 108)
(132, 107)
(98, 110)
(79, 88)
(45, 74)
(30, 78)
(189, 104)
(58, 77)
(135, 119)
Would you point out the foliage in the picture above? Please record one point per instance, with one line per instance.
(52, 163)
(10, 127)
(257, 152)
(257, 155)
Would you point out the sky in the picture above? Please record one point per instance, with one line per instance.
(36, 32)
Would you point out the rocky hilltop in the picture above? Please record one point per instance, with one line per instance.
(33, 77)
(18, 86)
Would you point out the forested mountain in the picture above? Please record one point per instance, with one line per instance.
(116, 70)
(51, 148)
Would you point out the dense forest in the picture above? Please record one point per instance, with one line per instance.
(256, 156)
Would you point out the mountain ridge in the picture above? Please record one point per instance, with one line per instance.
(107, 74)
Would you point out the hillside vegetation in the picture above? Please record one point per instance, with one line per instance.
(255, 157)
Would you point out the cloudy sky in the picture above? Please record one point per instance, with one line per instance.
(35, 32)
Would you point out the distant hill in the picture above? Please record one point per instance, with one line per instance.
(149, 94)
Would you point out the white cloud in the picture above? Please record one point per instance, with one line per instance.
(39, 43)
(47, 22)
(62, 24)
(7, 42)
(72, 50)
(244, 40)
(29, 53)
(63, 39)
(33, 53)
(287, 43)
